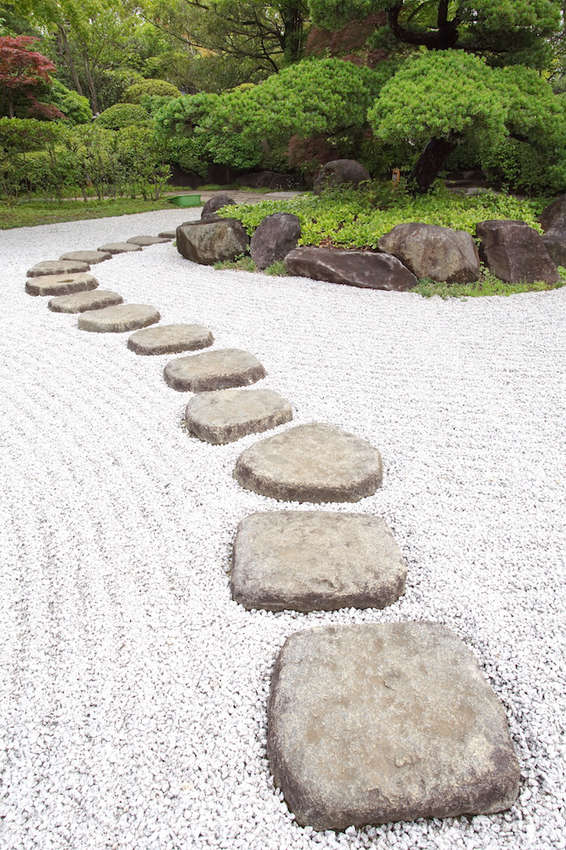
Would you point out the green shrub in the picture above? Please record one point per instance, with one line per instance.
(123, 115)
(74, 106)
(161, 88)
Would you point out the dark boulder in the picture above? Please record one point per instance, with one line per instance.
(209, 242)
(555, 243)
(338, 172)
(515, 253)
(210, 209)
(553, 217)
(274, 238)
(353, 268)
(435, 252)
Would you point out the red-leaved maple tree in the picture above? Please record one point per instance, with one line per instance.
(22, 72)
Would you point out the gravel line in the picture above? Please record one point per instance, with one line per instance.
(132, 689)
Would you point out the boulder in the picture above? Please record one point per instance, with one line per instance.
(515, 253)
(354, 268)
(555, 244)
(435, 252)
(275, 237)
(209, 242)
(210, 209)
(338, 172)
(553, 217)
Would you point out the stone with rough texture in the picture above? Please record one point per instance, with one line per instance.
(167, 234)
(275, 237)
(227, 415)
(61, 284)
(90, 257)
(57, 267)
(553, 217)
(311, 463)
(353, 268)
(147, 240)
(439, 253)
(170, 339)
(555, 244)
(213, 370)
(370, 724)
(515, 253)
(209, 242)
(316, 561)
(120, 247)
(124, 317)
(80, 302)
(338, 172)
(210, 209)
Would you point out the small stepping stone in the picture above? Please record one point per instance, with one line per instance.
(311, 463)
(147, 240)
(52, 267)
(124, 317)
(170, 339)
(119, 247)
(213, 370)
(61, 284)
(316, 561)
(168, 234)
(80, 302)
(226, 415)
(91, 257)
(371, 724)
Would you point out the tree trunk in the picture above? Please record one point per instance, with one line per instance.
(293, 31)
(430, 162)
(66, 51)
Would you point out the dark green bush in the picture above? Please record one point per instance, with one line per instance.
(161, 88)
(74, 106)
(123, 115)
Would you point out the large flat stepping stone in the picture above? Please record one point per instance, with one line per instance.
(170, 339)
(124, 317)
(227, 415)
(167, 234)
(147, 240)
(316, 561)
(91, 257)
(311, 463)
(120, 247)
(53, 267)
(369, 724)
(61, 284)
(213, 370)
(80, 302)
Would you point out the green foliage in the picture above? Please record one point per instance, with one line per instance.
(123, 115)
(161, 88)
(19, 139)
(276, 269)
(30, 213)
(74, 106)
(488, 284)
(242, 263)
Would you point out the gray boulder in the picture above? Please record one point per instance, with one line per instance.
(354, 268)
(275, 237)
(435, 252)
(340, 171)
(209, 242)
(555, 244)
(210, 209)
(515, 253)
(553, 217)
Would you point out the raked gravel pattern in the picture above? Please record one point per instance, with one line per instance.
(133, 689)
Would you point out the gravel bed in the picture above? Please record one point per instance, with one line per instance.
(133, 690)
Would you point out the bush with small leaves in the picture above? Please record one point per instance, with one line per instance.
(123, 115)
(160, 88)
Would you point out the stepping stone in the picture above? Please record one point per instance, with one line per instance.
(226, 415)
(124, 317)
(213, 370)
(311, 463)
(91, 257)
(370, 724)
(61, 284)
(119, 247)
(316, 561)
(52, 267)
(170, 339)
(80, 302)
(168, 234)
(147, 240)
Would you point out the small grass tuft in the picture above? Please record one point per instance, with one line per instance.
(243, 263)
(277, 269)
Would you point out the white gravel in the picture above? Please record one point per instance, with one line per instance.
(133, 693)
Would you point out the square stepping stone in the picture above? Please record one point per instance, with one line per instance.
(53, 267)
(170, 339)
(80, 302)
(369, 724)
(120, 247)
(213, 370)
(227, 415)
(311, 463)
(91, 257)
(61, 284)
(123, 317)
(147, 240)
(316, 561)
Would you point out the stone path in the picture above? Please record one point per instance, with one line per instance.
(90, 257)
(227, 415)
(53, 267)
(120, 247)
(213, 370)
(170, 339)
(123, 317)
(61, 284)
(79, 302)
(148, 240)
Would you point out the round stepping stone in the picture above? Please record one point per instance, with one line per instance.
(91, 257)
(52, 267)
(168, 234)
(147, 240)
(226, 415)
(61, 284)
(119, 247)
(170, 339)
(124, 317)
(316, 561)
(213, 370)
(80, 302)
(311, 463)
(370, 724)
